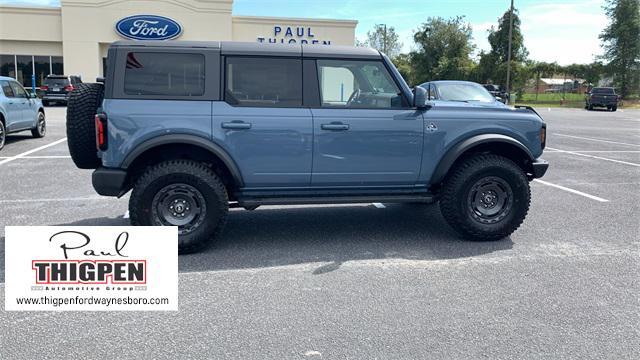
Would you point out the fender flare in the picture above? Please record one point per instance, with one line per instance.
(206, 144)
(461, 147)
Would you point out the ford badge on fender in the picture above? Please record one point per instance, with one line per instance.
(148, 27)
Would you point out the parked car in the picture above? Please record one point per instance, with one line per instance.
(19, 111)
(498, 92)
(197, 127)
(56, 88)
(602, 97)
(455, 92)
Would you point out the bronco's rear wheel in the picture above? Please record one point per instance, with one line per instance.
(486, 197)
(83, 102)
(181, 193)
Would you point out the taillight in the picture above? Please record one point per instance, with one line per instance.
(44, 87)
(68, 88)
(101, 132)
(543, 136)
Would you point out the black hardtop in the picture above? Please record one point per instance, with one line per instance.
(263, 49)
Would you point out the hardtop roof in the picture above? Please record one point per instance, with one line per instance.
(265, 49)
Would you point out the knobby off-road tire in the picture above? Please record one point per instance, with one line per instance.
(83, 102)
(182, 193)
(41, 126)
(485, 198)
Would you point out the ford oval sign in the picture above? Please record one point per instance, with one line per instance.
(148, 27)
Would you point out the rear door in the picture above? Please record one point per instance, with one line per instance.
(262, 122)
(365, 132)
(22, 105)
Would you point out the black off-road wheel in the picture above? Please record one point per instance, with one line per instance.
(182, 193)
(41, 127)
(485, 198)
(82, 106)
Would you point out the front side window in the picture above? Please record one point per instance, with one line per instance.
(164, 74)
(263, 82)
(18, 90)
(357, 84)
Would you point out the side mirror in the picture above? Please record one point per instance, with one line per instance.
(419, 97)
(33, 95)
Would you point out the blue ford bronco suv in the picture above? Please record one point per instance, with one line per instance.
(194, 128)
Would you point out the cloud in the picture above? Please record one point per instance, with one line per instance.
(566, 33)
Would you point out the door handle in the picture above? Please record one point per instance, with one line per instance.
(335, 126)
(236, 125)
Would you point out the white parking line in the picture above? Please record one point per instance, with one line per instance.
(19, 201)
(601, 151)
(39, 157)
(596, 157)
(592, 197)
(32, 151)
(379, 205)
(600, 140)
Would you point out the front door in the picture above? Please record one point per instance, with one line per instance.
(365, 132)
(21, 104)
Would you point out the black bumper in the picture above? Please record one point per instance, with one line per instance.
(109, 182)
(539, 168)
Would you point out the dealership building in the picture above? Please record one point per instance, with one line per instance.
(73, 39)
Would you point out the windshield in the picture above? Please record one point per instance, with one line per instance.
(602, 91)
(464, 92)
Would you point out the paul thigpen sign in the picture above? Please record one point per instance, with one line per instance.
(91, 268)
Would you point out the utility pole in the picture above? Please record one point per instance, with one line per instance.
(509, 52)
(384, 40)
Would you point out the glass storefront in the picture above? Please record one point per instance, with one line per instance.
(21, 67)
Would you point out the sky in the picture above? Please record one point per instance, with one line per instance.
(565, 31)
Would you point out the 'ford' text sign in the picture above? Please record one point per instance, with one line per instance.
(148, 27)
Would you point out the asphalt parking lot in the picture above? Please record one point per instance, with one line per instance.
(365, 281)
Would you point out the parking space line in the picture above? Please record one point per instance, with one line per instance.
(18, 201)
(596, 157)
(599, 140)
(39, 157)
(592, 197)
(601, 151)
(379, 205)
(32, 151)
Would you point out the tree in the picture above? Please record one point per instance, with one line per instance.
(493, 65)
(444, 50)
(384, 39)
(403, 63)
(542, 69)
(621, 42)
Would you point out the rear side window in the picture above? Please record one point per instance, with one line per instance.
(168, 74)
(264, 82)
(6, 89)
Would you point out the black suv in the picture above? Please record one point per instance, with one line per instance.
(56, 88)
(498, 92)
(601, 97)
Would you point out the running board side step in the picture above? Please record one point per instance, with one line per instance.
(299, 200)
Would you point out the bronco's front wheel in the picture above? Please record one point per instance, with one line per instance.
(181, 193)
(486, 197)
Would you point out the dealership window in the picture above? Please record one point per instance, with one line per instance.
(8, 65)
(21, 67)
(165, 74)
(358, 84)
(265, 82)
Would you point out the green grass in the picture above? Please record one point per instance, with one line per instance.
(552, 97)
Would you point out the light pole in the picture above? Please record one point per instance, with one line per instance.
(509, 53)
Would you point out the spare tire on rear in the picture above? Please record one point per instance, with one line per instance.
(81, 128)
